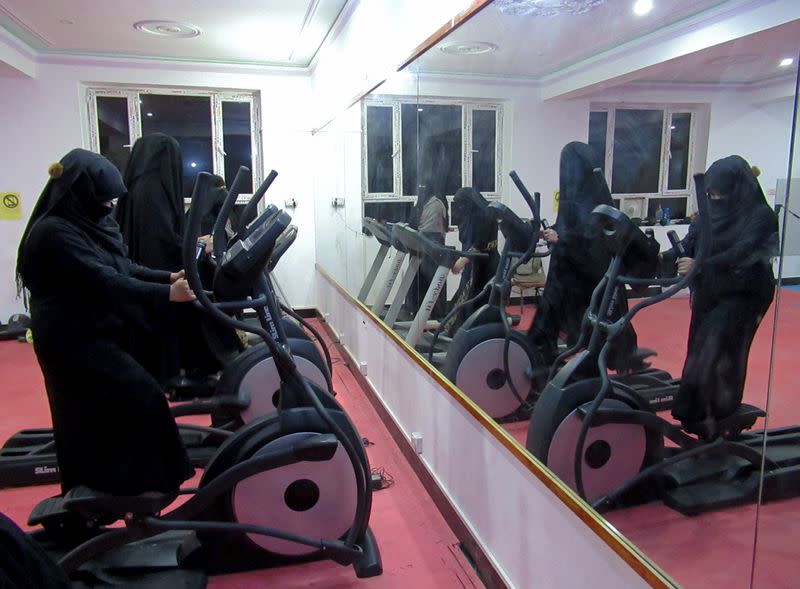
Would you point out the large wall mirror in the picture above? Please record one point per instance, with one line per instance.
(594, 102)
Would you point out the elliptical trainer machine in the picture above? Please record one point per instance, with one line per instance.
(247, 388)
(487, 359)
(604, 440)
(289, 487)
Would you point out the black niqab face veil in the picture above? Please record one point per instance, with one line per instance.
(79, 186)
(580, 190)
(475, 224)
(740, 210)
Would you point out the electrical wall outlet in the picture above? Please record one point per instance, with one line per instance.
(363, 367)
(289, 203)
(337, 202)
(416, 441)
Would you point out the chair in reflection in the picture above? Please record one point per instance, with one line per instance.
(529, 276)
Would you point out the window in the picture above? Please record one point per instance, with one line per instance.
(646, 154)
(441, 144)
(217, 131)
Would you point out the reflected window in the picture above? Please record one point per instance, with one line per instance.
(380, 150)
(598, 125)
(649, 154)
(432, 148)
(442, 144)
(215, 129)
(113, 129)
(637, 151)
(484, 150)
(679, 135)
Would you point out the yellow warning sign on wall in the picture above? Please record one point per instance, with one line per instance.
(10, 206)
(555, 201)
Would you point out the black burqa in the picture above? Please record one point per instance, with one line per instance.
(477, 232)
(113, 428)
(578, 262)
(731, 292)
(151, 214)
(151, 218)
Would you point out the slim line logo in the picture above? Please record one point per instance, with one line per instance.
(40, 470)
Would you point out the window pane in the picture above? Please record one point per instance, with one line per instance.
(484, 143)
(113, 130)
(432, 151)
(598, 122)
(380, 163)
(187, 119)
(637, 151)
(679, 151)
(390, 212)
(236, 141)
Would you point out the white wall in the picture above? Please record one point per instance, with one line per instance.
(44, 117)
(531, 536)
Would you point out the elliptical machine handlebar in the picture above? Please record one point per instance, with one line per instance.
(677, 246)
(218, 233)
(249, 212)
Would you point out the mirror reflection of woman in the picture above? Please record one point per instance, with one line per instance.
(429, 217)
(730, 293)
(578, 262)
(477, 232)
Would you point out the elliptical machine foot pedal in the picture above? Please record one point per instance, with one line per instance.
(93, 503)
(369, 564)
(48, 511)
(742, 419)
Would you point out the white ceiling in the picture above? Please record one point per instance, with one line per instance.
(268, 32)
(746, 60)
(534, 47)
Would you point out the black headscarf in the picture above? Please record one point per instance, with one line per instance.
(78, 186)
(154, 204)
(476, 227)
(741, 220)
(580, 191)
(212, 204)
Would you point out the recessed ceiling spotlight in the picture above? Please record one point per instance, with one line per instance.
(193, 164)
(149, 114)
(167, 28)
(468, 47)
(642, 7)
(786, 62)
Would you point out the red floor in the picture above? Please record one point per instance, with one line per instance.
(419, 550)
(717, 549)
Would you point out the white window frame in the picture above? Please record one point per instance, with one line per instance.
(218, 96)
(467, 107)
(669, 110)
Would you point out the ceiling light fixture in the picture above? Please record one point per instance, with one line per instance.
(642, 7)
(546, 7)
(167, 28)
(468, 47)
(149, 114)
(786, 62)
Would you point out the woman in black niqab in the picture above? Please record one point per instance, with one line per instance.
(112, 425)
(151, 214)
(731, 292)
(477, 232)
(578, 262)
